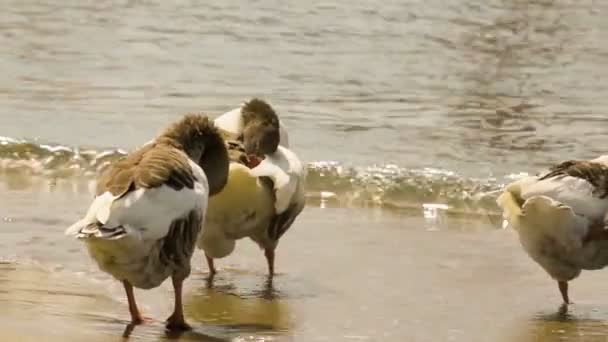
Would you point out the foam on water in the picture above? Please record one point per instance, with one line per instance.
(329, 183)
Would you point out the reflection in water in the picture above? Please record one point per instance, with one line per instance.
(567, 323)
(523, 84)
(192, 335)
(57, 301)
(242, 303)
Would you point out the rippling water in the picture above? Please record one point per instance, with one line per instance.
(424, 108)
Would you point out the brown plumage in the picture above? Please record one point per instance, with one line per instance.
(236, 152)
(154, 233)
(258, 109)
(594, 173)
(261, 131)
(149, 167)
(162, 161)
(178, 246)
(282, 222)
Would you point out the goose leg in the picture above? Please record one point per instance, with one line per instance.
(176, 320)
(563, 289)
(269, 253)
(212, 270)
(136, 317)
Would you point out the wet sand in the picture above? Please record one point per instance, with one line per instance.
(343, 275)
(399, 105)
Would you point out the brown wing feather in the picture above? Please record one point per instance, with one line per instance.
(164, 165)
(179, 244)
(282, 222)
(594, 173)
(149, 167)
(236, 152)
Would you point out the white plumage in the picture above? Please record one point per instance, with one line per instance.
(260, 203)
(554, 214)
(247, 205)
(286, 171)
(150, 206)
(134, 224)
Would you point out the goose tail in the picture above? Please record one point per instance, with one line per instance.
(75, 228)
(541, 216)
(510, 202)
(84, 230)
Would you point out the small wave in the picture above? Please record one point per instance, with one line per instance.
(329, 183)
(397, 188)
(26, 157)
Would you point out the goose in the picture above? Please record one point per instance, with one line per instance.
(150, 206)
(264, 193)
(560, 218)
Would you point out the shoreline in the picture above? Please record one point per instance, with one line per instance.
(341, 274)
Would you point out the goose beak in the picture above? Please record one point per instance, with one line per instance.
(253, 160)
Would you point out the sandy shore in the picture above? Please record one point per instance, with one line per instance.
(344, 275)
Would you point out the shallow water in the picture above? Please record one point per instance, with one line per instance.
(410, 114)
(464, 87)
(343, 275)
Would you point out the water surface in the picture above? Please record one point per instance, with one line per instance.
(409, 114)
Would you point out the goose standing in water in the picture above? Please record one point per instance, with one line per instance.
(265, 190)
(149, 208)
(560, 218)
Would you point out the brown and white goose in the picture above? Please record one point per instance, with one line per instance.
(150, 206)
(265, 189)
(560, 218)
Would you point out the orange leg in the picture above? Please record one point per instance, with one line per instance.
(563, 289)
(176, 320)
(136, 317)
(212, 270)
(269, 253)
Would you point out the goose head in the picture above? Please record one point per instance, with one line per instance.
(261, 129)
(198, 137)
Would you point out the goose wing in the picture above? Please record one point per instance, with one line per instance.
(287, 173)
(144, 193)
(580, 185)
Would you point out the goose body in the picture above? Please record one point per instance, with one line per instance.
(150, 207)
(260, 201)
(129, 235)
(559, 218)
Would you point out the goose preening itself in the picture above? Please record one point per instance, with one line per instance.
(256, 124)
(560, 218)
(265, 189)
(150, 206)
